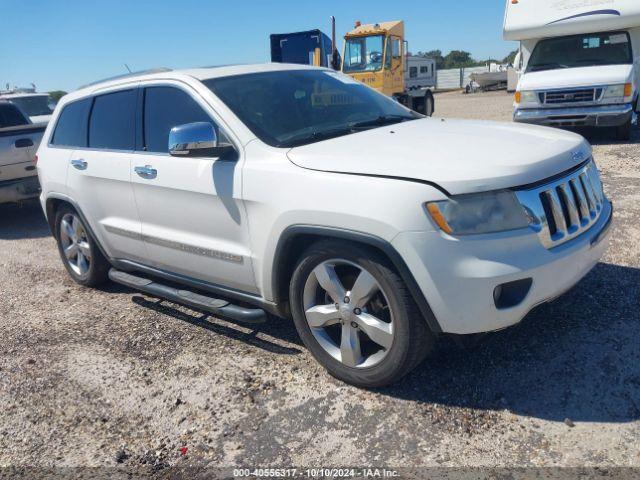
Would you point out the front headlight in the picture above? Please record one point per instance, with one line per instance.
(618, 91)
(489, 212)
(526, 96)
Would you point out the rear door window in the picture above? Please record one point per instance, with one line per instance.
(71, 129)
(165, 108)
(10, 116)
(112, 123)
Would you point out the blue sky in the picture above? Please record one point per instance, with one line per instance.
(64, 44)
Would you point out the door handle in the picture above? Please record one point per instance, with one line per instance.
(79, 164)
(147, 172)
(23, 143)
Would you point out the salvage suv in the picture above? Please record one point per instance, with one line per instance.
(295, 191)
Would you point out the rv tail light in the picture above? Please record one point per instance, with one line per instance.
(628, 90)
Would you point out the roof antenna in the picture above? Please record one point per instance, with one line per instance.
(127, 67)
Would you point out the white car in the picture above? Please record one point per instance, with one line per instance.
(296, 191)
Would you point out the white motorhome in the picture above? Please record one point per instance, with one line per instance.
(579, 60)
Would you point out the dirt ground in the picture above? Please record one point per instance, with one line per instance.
(111, 377)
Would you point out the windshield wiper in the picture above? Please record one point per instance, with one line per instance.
(381, 121)
(316, 137)
(546, 66)
(346, 130)
(593, 61)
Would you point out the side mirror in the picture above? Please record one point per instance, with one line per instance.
(198, 139)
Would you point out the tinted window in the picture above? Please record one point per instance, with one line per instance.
(34, 105)
(165, 108)
(112, 124)
(291, 108)
(71, 130)
(586, 50)
(10, 116)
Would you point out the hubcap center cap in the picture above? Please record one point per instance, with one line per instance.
(345, 312)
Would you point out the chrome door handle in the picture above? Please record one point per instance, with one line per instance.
(79, 164)
(147, 172)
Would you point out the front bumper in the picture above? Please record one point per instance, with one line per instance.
(20, 189)
(458, 276)
(595, 116)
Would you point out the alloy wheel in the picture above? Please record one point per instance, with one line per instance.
(348, 313)
(75, 244)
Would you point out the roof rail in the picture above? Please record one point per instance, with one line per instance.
(128, 75)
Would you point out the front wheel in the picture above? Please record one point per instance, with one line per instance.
(623, 132)
(356, 316)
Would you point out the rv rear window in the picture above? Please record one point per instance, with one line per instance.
(586, 50)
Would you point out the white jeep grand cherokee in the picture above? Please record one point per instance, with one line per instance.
(296, 191)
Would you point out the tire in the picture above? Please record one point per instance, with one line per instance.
(403, 338)
(418, 104)
(623, 132)
(429, 105)
(73, 236)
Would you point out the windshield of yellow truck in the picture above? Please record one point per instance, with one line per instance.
(364, 54)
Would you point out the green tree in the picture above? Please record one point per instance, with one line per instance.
(56, 95)
(459, 59)
(511, 58)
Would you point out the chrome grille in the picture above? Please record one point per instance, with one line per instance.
(563, 209)
(554, 97)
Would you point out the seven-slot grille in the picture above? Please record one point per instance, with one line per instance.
(566, 208)
(554, 97)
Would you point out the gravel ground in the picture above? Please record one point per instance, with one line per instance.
(110, 377)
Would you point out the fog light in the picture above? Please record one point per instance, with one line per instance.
(497, 293)
(511, 294)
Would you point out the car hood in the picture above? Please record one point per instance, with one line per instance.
(460, 156)
(577, 77)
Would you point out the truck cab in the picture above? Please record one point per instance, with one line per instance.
(580, 65)
(38, 106)
(375, 54)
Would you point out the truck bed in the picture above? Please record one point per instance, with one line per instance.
(18, 146)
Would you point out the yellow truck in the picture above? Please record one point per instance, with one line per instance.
(376, 55)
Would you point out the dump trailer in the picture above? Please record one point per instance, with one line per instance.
(377, 55)
(311, 47)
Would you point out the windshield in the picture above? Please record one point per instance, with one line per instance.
(585, 50)
(364, 54)
(298, 107)
(34, 106)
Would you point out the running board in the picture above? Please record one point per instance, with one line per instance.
(212, 305)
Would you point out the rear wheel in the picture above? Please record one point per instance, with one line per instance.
(81, 256)
(356, 316)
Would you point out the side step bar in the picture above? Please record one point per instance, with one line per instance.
(194, 300)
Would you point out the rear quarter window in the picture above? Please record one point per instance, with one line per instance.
(112, 122)
(71, 129)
